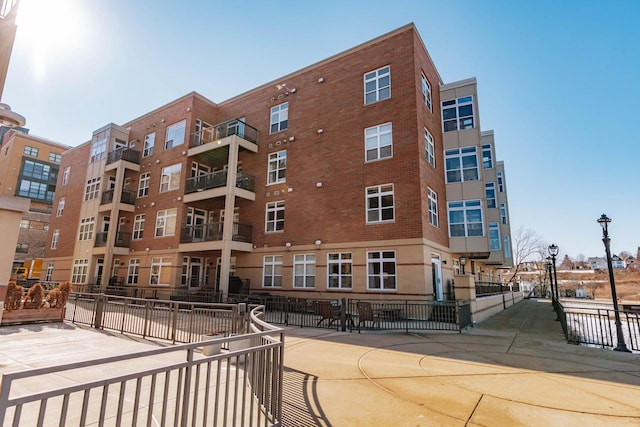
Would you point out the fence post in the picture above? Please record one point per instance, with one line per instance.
(343, 315)
(406, 316)
(97, 322)
(174, 322)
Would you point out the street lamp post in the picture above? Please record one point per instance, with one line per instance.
(550, 273)
(604, 223)
(553, 251)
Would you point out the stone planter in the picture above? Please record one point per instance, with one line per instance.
(212, 349)
(40, 315)
(239, 345)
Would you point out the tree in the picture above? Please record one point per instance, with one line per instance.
(527, 246)
(594, 287)
(624, 255)
(567, 263)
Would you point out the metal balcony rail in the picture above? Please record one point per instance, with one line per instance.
(127, 196)
(491, 288)
(127, 154)
(212, 231)
(122, 239)
(223, 130)
(218, 179)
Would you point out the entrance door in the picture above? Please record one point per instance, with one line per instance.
(436, 270)
(195, 272)
(99, 271)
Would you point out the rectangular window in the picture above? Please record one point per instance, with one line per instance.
(160, 273)
(494, 236)
(377, 85)
(275, 217)
(272, 271)
(35, 190)
(503, 213)
(170, 178)
(49, 275)
(465, 219)
(487, 156)
(378, 142)
(339, 270)
(175, 134)
(429, 148)
(500, 182)
(92, 189)
(461, 164)
(380, 203)
(426, 92)
(65, 175)
(38, 170)
(25, 223)
(433, 207)
(86, 228)
(143, 184)
(30, 151)
(54, 238)
(381, 271)
(277, 167)
(457, 114)
(149, 141)
(133, 271)
(22, 248)
(98, 149)
(507, 247)
(490, 193)
(60, 208)
(53, 157)
(279, 117)
(79, 273)
(166, 222)
(138, 227)
(304, 271)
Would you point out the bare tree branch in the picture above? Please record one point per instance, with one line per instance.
(527, 247)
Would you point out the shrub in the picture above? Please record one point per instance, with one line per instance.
(35, 297)
(13, 300)
(59, 296)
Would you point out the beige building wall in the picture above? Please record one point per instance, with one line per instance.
(11, 211)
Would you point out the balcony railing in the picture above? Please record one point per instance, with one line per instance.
(218, 179)
(127, 154)
(492, 288)
(212, 232)
(128, 197)
(222, 130)
(122, 239)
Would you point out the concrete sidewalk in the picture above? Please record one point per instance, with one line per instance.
(514, 369)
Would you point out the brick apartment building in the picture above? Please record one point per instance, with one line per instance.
(29, 168)
(363, 175)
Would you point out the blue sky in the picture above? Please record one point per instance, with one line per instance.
(556, 80)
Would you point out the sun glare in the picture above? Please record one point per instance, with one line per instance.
(51, 29)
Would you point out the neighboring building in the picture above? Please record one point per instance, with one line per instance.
(629, 261)
(29, 168)
(362, 175)
(597, 263)
(617, 262)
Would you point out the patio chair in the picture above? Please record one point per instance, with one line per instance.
(366, 313)
(328, 311)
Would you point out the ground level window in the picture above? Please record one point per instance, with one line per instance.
(79, 273)
(272, 271)
(133, 271)
(381, 270)
(304, 271)
(339, 270)
(160, 271)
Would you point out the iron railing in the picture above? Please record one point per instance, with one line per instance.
(223, 130)
(122, 239)
(212, 232)
(218, 179)
(127, 196)
(491, 288)
(127, 154)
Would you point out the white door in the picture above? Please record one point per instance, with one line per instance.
(436, 269)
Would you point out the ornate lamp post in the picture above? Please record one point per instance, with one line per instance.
(463, 262)
(553, 251)
(550, 273)
(604, 223)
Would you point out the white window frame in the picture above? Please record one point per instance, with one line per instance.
(277, 170)
(467, 208)
(274, 217)
(304, 271)
(65, 175)
(382, 271)
(166, 222)
(92, 189)
(378, 142)
(426, 92)
(175, 134)
(98, 148)
(429, 148)
(80, 270)
(432, 198)
(170, 177)
(503, 213)
(455, 114)
(87, 225)
(60, 208)
(377, 85)
(133, 271)
(279, 118)
(49, 274)
(272, 271)
(377, 202)
(458, 167)
(148, 144)
(158, 265)
(138, 227)
(490, 194)
(143, 184)
(340, 270)
(487, 156)
(54, 238)
(494, 236)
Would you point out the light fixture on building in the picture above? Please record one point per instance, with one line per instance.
(288, 244)
(463, 262)
(318, 242)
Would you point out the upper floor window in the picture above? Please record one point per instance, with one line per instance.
(54, 238)
(175, 134)
(494, 236)
(507, 247)
(49, 274)
(487, 156)
(79, 272)
(272, 271)
(380, 203)
(86, 228)
(461, 164)
(149, 142)
(457, 114)
(377, 85)
(143, 184)
(426, 92)
(22, 248)
(30, 151)
(277, 167)
(279, 117)
(339, 270)
(166, 222)
(92, 189)
(53, 157)
(65, 175)
(490, 193)
(381, 270)
(138, 227)
(98, 148)
(304, 271)
(378, 142)
(60, 208)
(429, 148)
(170, 179)
(39, 171)
(275, 217)
(465, 219)
(503, 213)
(500, 182)
(433, 207)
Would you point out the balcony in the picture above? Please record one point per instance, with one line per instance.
(212, 232)
(223, 130)
(218, 179)
(125, 154)
(122, 239)
(127, 196)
